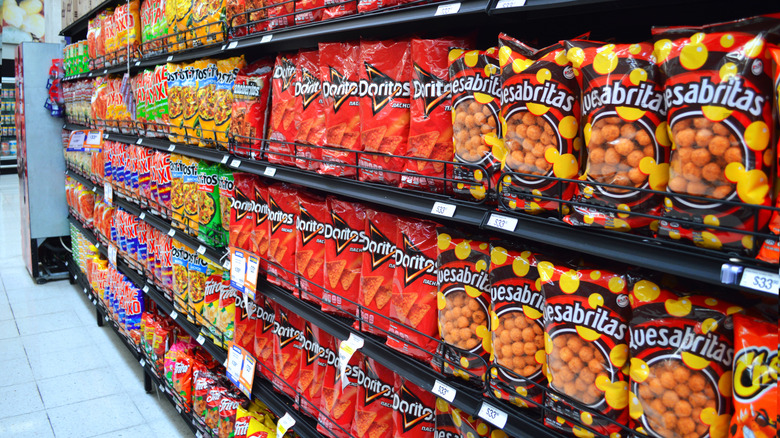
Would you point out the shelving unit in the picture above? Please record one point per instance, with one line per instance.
(8, 127)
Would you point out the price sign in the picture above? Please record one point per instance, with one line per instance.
(235, 362)
(232, 45)
(174, 315)
(443, 209)
(178, 408)
(284, 424)
(760, 280)
(146, 289)
(105, 136)
(85, 290)
(502, 4)
(235, 163)
(493, 415)
(250, 282)
(266, 38)
(97, 245)
(143, 363)
(137, 63)
(161, 387)
(94, 138)
(225, 159)
(198, 434)
(105, 318)
(451, 8)
(94, 301)
(502, 222)
(247, 374)
(75, 277)
(238, 270)
(76, 142)
(105, 71)
(171, 147)
(171, 232)
(269, 171)
(139, 141)
(201, 250)
(112, 255)
(444, 391)
(170, 58)
(201, 339)
(226, 265)
(108, 193)
(346, 350)
(94, 189)
(142, 216)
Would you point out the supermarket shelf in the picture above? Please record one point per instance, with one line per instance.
(79, 25)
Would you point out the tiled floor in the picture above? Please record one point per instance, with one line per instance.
(60, 374)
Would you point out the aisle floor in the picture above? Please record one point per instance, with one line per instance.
(60, 374)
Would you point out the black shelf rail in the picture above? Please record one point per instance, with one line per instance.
(710, 267)
(79, 25)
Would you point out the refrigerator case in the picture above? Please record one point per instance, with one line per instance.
(40, 162)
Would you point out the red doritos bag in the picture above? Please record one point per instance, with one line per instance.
(309, 115)
(262, 231)
(718, 92)
(376, 282)
(250, 108)
(413, 328)
(541, 110)
(372, 5)
(280, 13)
(386, 74)
(242, 212)
(246, 320)
(340, 75)
(430, 127)
(343, 256)
(287, 350)
(756, 366)
(475, 77)
(308, 11)
(264, 337)
(414, 417)
(341, 9)
(338, 403)
(283, 213)
(312, 371)
(375, 397)
(281, 149)
(313, 220)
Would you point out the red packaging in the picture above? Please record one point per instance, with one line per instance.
(338, 404)
(313, 220)
(770, 249)
(243, 212)
(250, 108)
(375, 396)
(415, 284)
(283, 111)
(262, 230)
(283, 205)
(414, 417)
(182, 380)
(341, 8)
(340, 75)
(287, 350)
(212, 408)
(343, 257)
(308, 11)
(280, 13)
(384, 108)
(372, 5)
(376, 282)
(312, 369)
(228, 407)
(245, 322)
(309, 113)
(430, 126)
(264, 336)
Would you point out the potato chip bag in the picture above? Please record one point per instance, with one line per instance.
(206, 71)
(128, 22)
(415, 415)
(287, 350)
(189, 99)
(280, 13)
(243, 212)
(309, 114)
(283, 130)
(341, 9)
(175, 102)
(378, 271)
(624, 121)
(226, 318)
(192, 197)
(203, 381)
(313, 221)
(343, 257)
(365, 6)
(412, 300)
(375, 401)
(227, 70)
(282, 215)
(384, 108)
(226, 196)
(228, 406)
(250, 108)
(518, 338)
(340, 75)
(109, 28)
(172, 42)
(213, 401)
(209, 214)
(180, 260)
(217, 280)
(245, 322)
(430, 126)
(718, 93)
(681, 362)
(182, 380)
(312, 368)
(264, 337)
(337, 409)
(475, 77)
(586, 340)
(308, 11)
(756, 367)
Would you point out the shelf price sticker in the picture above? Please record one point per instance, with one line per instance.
(139, 141)
(143, 363)
(250, 281)
(171, 147)
(443, 209)
(235, 363)
(85, 290)
(284, 424)
(94, 139)
(225, 159)
(112, 255)
(201, 339)
(170, 58)
(174, 315)
(201, 250)
(448, 9)
(346, 350)
(269, 171)
(142, 216)
(235, 163)
(503, 4)
(76, 141)
(108, 194)
(493, 415)
(237, 269)
(145, 289)
(502, 222)
(171, 232)
(760, 280)
(232, 45)
(266, 38)
(444, 391)
(247, 377)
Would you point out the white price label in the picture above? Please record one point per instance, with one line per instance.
(235, 361)
(226, 265)
(502, 222)
(105, 318)
(137, 63)
(171, 147)
(75, 276)
(94, 301)
(97, 245)
(112, 255)
(266, 38)
(232, 45)
(146, 289)
(94, 189)
(444, 391)
(502, 4)
(451, 8)
(493, 415)
(225, 159)
(105, 71)
(235, 163)
(76, 141)
(760, 280)
(143, 363)
(105, 136)
(443, 209)
(170, 58)
(171, 232)
(139, 141)
(161, 387)
(93, 138)
(178, 409)
(201, 250)
(108, 193)
(201, 339)
(174, 315)
(224, 46)
(85, 290)
(248, 374)
(269, 171)
(238, 270)
(346, 350)
(142, 216)
(284, 424)
(198, 434)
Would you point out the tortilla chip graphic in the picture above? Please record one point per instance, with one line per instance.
(370, 285)
(341, 407)
(334, 134)
(422, 145)
(390, 144)
(272, 249)
(365, 420)
(328, 396)
(417, 313)
(383, 297)
(303, 130)
(349, 140)
(348, 277)
(377, 430)
(403, 303)
(372, 138)
(302, 259)
(334, 270)
(305, 379)
(314, 265)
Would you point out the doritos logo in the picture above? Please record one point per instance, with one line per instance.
(340, 88)
(260, 218)
(755, 371)
(308, 227)
(379, 246)
(313, 349)
(307, 86)
(286, 72)
(412, 409)
(375, 389)
(286, 332)
(266, 314)
(342, 233)
(247, 306)
(382, 89)
(430, 88)
(278, 217)
(414, 262)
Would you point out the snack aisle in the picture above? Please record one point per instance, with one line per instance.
(450, 289)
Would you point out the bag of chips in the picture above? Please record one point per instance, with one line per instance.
(209, 214)
(415, 415)
(182, 380)
(213, 402)
(228, 406)
(337, 409)
(189, 99)
(308, 11)
(343, 257)
(718, 93)
(309, 114)
(282, 215)
(175, 102)
(197, 270)
(312, 368)
(243, 212)
(192, 197)
(217, 280)
(287, 350)
(342, 8)
(375, 401)
(378, 272)
(226, 196)
(160, 96)
(451, 421)
(280, 13)
(179, 257)
(770, 249)
(227, 70)
(184, 10)
(250, 108)
(226, 318)
(264, 337)
(313, 220)
(206, 71)
(245, 322)
(365, 6)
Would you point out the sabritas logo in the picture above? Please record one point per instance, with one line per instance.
(285, 71)
(307, 226)
(379, 247)
(430, 88)
(339, 87)
(414, 262)
(412, 409)
(755, 372)
(382, 89)
(308, 86)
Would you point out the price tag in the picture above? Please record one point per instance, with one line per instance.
(161, 387)
(75, 276)
(502, 222)
(201, 339)
(105, 136)
(139, 141)
(235, 362)
(142, 216)
(443, 209)
(105, 318)
(493, 415)
(94, 301)
(444, 391)
(137, 63)
(93, 138)
(235, 163)
(502, 4)
(250, 282)
(269, 171)
(170, 58)
(760, 280)
(105, 71)
(284, 424)
(225, 364)
(451, 8)
(94, 189)
(112, 255)
(266, 38)
(174, 315)
(238, 270)
(171, 232)
(76, 142)
(247, 374)
(224, 46)
(146, 289)
(108, 193)
(178, 409)
(346, 350)
(85, 290)
(225, 159)
(97, 245)
(143, 363)
(171, 147)
(232, 45)
(198, 434)
(201, 250)
(226, 265)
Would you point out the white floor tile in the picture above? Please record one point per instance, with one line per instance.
(36, 293)
(8, 329)
(78, 387)
(26, 309)
(28, 425)
(47, 365)
(133, 432)
(16, 278)
(5, 312)
(12, 348)
(170, 429)
(60, 340)
(48, 323)
(19, 399)
(15, 371)
(78, 420)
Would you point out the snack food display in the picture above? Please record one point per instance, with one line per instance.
(374, 409)
(250, 107)
(309, 113)
(282, 132)
(376, 280)
(282, 216)
(312, 222)
(343, 257)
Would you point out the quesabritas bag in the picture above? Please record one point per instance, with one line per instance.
(378, 271)
(250, 109)
(477, 130)
(541, 110)
(340, 75)
(718, 94)
(385, 82)
(309, 114)
(313, 220)
(282, 132)
(343, 257)
(283, 206)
